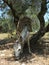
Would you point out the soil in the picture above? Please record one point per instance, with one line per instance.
(40, 56)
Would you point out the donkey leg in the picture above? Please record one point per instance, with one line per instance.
(22, 44)
(29, 46)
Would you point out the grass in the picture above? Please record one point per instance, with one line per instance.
(6, 35)
(3, 36)
(46, 35)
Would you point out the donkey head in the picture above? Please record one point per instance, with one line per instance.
(18, 48)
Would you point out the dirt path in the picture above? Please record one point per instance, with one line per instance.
(7, 58)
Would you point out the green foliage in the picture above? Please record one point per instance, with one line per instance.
(35, 23)
(21, 7)
(46, 23)
(7, 24)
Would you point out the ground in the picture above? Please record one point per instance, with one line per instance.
(37, 58)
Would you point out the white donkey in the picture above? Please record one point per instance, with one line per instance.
(19, 44)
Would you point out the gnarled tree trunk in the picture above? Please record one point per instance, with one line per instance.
(42, 29)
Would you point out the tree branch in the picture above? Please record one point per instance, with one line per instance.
(41, 14)
(16, 17)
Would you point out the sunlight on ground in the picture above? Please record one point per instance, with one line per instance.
(46, 35)
(3, 36)
(6, 35)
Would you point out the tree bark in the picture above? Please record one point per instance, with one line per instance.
(41, 14)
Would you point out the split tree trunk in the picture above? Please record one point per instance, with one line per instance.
(40, 16)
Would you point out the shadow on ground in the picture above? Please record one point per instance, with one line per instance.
(37, 49)
(6, 43)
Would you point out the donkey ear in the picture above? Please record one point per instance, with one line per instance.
(16, 41)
